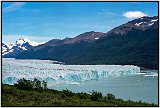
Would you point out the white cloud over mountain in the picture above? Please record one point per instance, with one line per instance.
(134, 14)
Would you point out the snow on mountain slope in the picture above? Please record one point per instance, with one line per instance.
(4, 48)
(149, 22)
(142, 24)
(13, 49)
(21, 41)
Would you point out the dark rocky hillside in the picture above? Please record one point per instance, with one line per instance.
(136, 47)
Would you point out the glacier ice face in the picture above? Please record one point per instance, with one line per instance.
(54, 74)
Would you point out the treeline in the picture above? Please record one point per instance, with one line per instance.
(24, 84)
(36, 93)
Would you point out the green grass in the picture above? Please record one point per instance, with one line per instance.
(11, 96)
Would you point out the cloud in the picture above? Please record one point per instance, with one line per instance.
(134, 14)
(13, 6)
(111, 13)
(104, 11)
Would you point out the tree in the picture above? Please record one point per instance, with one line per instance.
(44, 84)
(34, 82)
(37, 84)
(82, 95)
(24, 84)
(96, 95)
(68, 92)
(110, 96)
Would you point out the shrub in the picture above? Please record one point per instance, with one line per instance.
(24, 84)
(110, 96)
(44, 84)
(37, 84)
(82, 95)
(63, 95)
(96, 95)
(68, 92)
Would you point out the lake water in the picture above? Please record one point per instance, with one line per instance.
(131, 87)
(126, 82)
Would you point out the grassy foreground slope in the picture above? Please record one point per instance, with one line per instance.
(12, 96)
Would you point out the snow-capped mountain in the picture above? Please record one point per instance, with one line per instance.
(21, 41)
(4, 48)
(143, 23)
(14, 49)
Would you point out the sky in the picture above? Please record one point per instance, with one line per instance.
(43, 21)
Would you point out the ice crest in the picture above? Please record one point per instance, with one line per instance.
(54, 74)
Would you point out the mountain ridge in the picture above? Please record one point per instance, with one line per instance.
(135, 42)
(142, 23)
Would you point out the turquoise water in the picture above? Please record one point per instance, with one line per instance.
(138, 87)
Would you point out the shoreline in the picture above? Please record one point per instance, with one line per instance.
(143, 68)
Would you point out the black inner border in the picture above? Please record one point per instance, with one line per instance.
(79, 1)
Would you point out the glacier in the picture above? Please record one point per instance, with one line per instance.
(55, 74)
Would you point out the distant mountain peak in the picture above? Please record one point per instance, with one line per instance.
(22, 40)
(13, 49)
